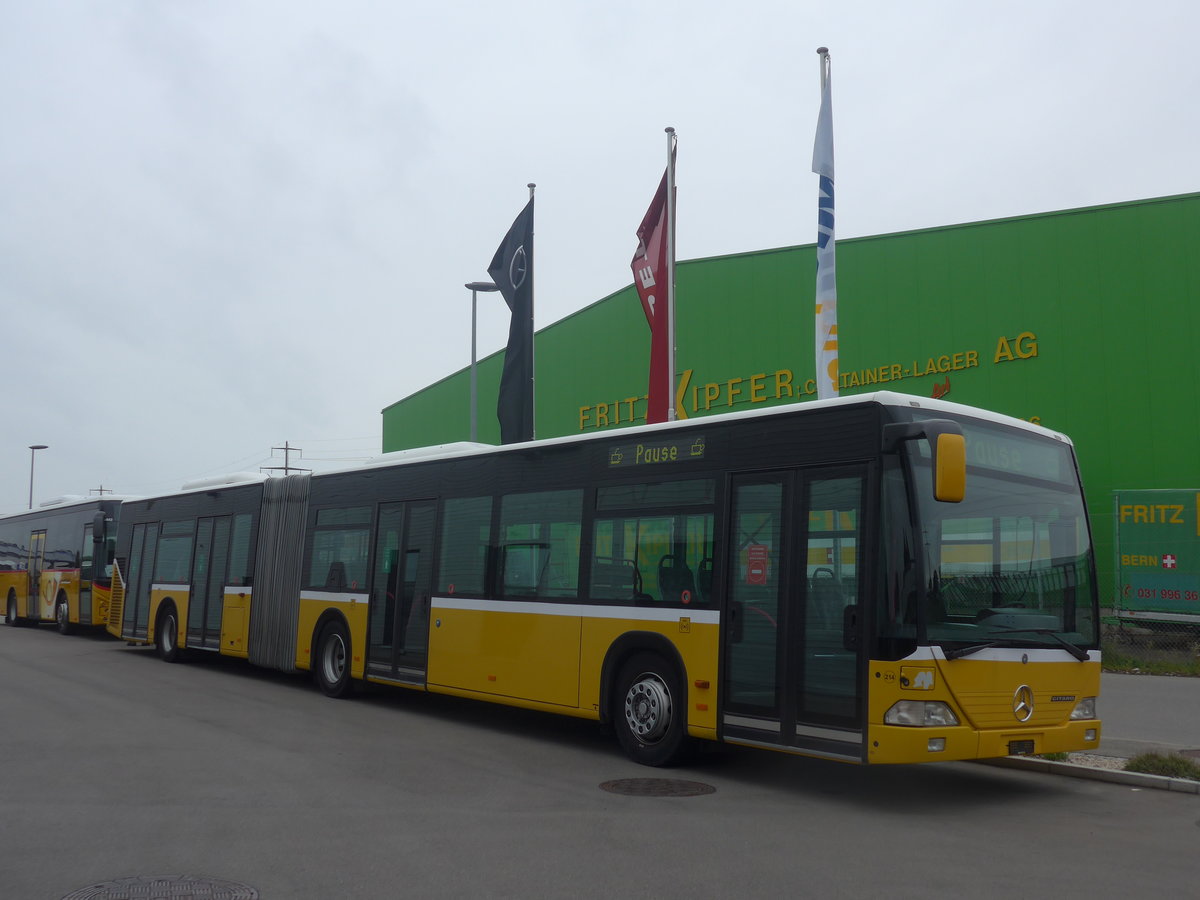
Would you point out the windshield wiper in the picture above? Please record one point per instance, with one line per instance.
(967, 651)
(1078, 652)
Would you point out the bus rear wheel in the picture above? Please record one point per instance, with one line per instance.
(333, 661)
(649, 712)
(10, 612)
(62, 615)
(167, 638)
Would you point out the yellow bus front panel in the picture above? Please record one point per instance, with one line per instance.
(1005, 700)
(101, 597)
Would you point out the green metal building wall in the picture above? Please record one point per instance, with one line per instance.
(1086, 320)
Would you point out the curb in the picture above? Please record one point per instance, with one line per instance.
(1113, 776)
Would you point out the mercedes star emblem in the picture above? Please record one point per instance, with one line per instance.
(1023, 703)
(517, 268)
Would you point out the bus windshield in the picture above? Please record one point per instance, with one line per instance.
(1011, 565)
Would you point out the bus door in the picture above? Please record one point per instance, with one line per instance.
(207, 594)
(142, 549)
(793, 674)
(33, 592)
(398, 637)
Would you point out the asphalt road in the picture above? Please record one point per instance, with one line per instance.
(1148, 713)
(114, 764)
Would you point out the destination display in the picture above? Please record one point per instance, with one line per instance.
(647, 453)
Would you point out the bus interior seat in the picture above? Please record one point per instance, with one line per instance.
(336, 579)
(825, 600)
(675, 578)
(704, 577)
(613, 579)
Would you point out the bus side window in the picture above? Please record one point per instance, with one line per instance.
(653, 559)
(539, 539)
(341, 544)
(466, 537)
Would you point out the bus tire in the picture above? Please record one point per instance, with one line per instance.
(333, 660)
(62, 614)
(10, 611)
(649, 711)
(166, 635)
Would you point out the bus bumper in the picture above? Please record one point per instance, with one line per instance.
(900, 744)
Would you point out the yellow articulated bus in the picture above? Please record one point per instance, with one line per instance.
(56, 562)
(875, 579)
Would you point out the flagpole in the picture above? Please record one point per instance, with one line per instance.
(671, 273)
(532, 341)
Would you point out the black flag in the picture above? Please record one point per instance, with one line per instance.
(512, 270)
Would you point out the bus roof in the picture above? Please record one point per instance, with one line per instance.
(459, 449)
(69, 502)
(882, 398)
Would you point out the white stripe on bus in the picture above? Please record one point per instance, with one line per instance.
(590, 611)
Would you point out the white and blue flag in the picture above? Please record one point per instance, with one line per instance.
(826, 293)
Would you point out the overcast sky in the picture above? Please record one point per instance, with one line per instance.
(226, 225)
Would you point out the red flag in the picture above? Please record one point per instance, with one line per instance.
(651, 271)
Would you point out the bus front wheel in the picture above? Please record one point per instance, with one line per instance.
(10, 612)
(650, 712)
(333, 660)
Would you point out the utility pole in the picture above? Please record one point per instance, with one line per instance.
(102, 490)
(287, 468)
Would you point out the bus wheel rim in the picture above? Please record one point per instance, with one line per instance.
(648, 708)
(334, 658)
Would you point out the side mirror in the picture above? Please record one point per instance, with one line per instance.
(948, 451)
(950, 468)
(99, 527)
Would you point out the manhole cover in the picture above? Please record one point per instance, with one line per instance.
(166, 887)
(657, 787)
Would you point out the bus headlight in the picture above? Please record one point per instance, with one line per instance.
(1084, 709)
(920, 713)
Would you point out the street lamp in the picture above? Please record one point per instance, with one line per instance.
(485, 287)
(33, 449)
